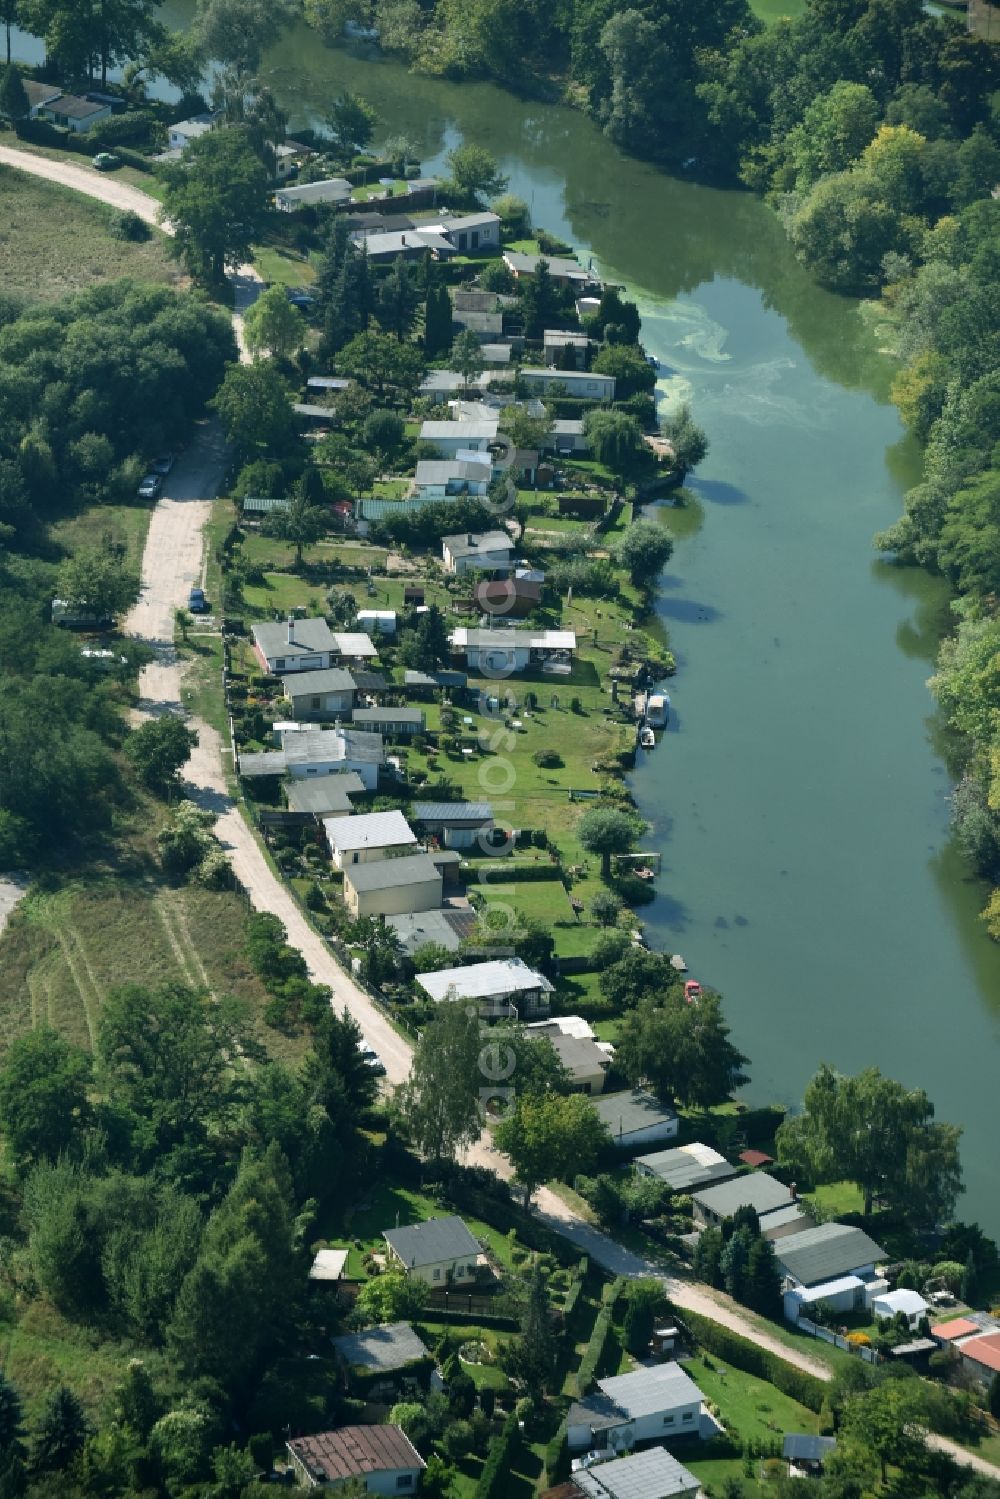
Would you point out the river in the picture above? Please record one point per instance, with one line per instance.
(799, 798)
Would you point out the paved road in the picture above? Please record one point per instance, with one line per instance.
(173, 560)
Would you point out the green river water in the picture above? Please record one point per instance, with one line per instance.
(799, 798)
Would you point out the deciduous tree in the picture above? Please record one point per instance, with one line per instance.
(607, 831)
(546, 1135)
(254, 407)
(43, 1096)
(97, 581)
(216, 201)
(440, 1100)
(273, 325)
(158, 748)
(352, 123)
(475, 172)
(682, 1050)
(871, 1130)
(643, 551)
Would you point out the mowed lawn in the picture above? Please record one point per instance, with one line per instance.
(770, 11)
(61, 954)
(54, 241)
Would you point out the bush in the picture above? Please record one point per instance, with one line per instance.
(547, 759)
(129, 226)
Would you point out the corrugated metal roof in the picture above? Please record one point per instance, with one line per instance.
(647, 1391)
(685, 1168)
(653, 1474)
(480, 980)
(452, 812)
(369, 830)
(353, 1451)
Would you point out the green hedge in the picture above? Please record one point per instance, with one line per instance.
(575, 1290)
(494, 1481)
(484, 874)
(807, 1389)
(598, 1338)
(557, 1457)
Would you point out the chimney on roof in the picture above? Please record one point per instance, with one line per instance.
(794, 1189)
(291, 630)
(468, 539)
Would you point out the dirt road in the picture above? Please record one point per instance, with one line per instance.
(86, 179)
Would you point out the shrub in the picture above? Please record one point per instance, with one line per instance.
(547, 759)
(129, 226)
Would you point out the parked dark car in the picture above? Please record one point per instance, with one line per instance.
(197, 602)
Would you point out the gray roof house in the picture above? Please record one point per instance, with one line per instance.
(651, 1403)
(653, 1473)
(329, 796)
(456, 824)
(73, 112)
(294, 645)
(382, 1349)
(687, 1167)
(585, 1060)
(369, 836)
(636, 1118)
(183, 132)
(318, 752)
(451, 438)
(562, 270)
(317, 694)
(392, 887)
(439, 1251)
(487, 551)
(756, 1190)
(826, 1253)
(39, 94)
